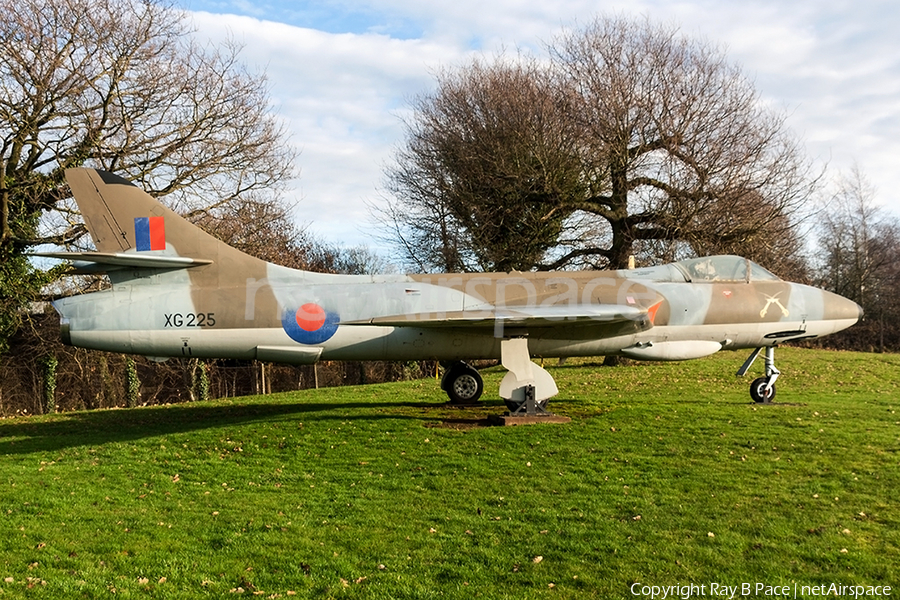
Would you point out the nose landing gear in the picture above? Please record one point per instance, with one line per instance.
(762, 390)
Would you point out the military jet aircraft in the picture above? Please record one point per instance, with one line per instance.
(179, 292)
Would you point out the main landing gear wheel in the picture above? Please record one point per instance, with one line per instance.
(462, 383)
(758, 390)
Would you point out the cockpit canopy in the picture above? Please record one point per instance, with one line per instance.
(707, 268)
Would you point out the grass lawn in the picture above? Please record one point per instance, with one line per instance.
(667, 475)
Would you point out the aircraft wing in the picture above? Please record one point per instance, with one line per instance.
(530, 316)
(103, 262)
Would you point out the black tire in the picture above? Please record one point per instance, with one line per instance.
(463, 384)
(758, 391)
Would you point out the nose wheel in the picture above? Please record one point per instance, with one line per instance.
(762, 390)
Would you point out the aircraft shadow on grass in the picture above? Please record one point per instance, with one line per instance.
(96, 428)
(24, 436)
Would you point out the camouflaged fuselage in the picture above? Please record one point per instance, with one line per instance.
(177, 291)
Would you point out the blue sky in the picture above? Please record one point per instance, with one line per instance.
(330, 17)
(341, 72)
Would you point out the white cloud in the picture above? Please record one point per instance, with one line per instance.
(832, 65)
(340, 95)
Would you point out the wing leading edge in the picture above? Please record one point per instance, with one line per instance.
(529, 317)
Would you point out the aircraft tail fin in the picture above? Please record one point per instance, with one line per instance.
(124, 221)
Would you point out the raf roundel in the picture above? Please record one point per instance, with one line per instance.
(310, 317)
(310, 324)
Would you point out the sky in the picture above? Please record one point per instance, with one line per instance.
(341, 74)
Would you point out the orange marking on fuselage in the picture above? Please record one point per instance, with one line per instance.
(311, 317)
(653, 310)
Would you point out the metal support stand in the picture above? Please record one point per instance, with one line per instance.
(523, 373)
(530, 407)
(526, 388)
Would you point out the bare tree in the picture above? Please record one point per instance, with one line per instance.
(849, 228)
(635, 139)
(486, 172)
(860, 258)
(677, 141)
(752, 227)
(268, 231)
(121, 85)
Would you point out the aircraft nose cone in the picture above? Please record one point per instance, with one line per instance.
(839, 308)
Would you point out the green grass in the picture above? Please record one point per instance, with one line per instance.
(666, 475)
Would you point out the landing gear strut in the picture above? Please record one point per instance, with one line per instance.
(527, 386)
(762, 390)
(463, 383)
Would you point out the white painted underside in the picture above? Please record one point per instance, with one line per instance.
(366, 342)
